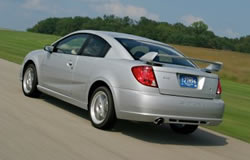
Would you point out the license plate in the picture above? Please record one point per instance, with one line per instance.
(188, 81)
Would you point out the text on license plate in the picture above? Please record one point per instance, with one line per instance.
(188, 81)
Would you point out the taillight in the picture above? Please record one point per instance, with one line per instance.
(219, 89)
(145, 75)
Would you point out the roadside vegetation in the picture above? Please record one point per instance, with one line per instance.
(15, 45)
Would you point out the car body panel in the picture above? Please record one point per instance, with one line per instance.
(36, 57)
(147, 107)
(56, 74)
(168, 79)
(133, 101)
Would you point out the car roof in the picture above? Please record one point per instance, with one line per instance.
(120, 35)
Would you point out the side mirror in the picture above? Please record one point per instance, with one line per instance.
(49, 49)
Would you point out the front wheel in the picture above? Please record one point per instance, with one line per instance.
(183, 128)
(102, 112)
(29, 83)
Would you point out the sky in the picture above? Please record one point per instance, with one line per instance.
(228, 18)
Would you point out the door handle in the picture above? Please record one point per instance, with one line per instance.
(70, 64)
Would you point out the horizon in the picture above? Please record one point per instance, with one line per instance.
(225, 19)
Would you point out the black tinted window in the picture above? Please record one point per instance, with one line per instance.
(96, 47)
(72, 44)
(139, 48)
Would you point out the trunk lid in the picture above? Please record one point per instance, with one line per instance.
(185, 81)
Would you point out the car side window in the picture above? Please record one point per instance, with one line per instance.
(96, 47)
(139, 51)
(72, 44)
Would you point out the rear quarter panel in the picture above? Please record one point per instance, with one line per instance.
(116, 74)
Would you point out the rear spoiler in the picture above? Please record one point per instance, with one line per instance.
(212, 67)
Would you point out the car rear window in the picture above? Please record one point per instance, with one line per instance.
(139, 48)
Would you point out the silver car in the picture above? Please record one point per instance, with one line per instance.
(122, 76)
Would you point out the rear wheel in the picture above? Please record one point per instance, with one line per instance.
(183, 128)
(29, 83)
(102, 112)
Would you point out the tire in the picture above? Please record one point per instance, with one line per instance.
(101, 109)
(183, 128)
(29, 82)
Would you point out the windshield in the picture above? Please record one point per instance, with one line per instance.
(139, 48)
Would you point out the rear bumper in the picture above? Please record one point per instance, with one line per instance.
(142, 106)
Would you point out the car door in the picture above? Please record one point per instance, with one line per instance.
(90, 56)
(57, 67)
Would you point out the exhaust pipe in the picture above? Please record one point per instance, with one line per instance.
(158, 121)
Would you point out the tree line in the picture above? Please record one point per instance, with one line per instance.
(196, 34)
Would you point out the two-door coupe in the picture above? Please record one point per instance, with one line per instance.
(122, 76)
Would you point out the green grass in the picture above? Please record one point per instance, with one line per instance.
(15, 45)
(236, 121)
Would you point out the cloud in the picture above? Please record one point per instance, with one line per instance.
(34, 5)
(119, 9)
(46, 6)
(190, 19)
(230, 33)
(100, 6)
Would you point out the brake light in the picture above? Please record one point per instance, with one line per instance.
(145, 75)
(219, 89)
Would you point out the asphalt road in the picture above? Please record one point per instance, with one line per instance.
(49, 129)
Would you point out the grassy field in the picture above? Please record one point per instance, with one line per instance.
(15, 45)
(236, 121)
